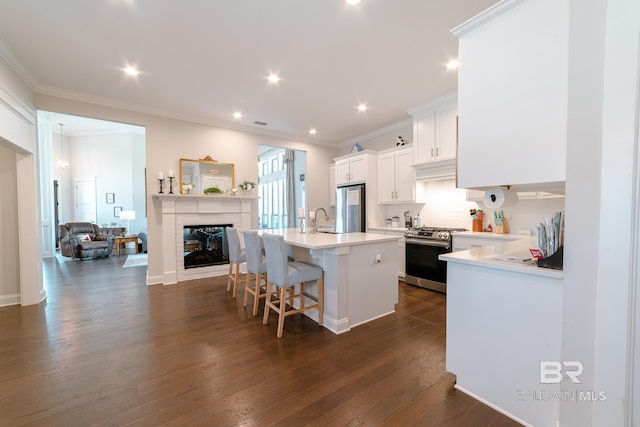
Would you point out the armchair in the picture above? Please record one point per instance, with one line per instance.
(81, 240)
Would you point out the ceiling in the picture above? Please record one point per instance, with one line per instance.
(202, 60)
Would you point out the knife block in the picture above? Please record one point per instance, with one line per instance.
(504, 228)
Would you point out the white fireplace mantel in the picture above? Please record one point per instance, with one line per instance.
(179, 210)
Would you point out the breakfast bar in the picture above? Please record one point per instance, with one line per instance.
(360, 274)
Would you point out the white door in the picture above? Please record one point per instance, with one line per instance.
(86, 200)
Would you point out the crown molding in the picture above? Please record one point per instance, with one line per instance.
(14, 62)
(172, 114)
(377, 132)
(419, 110)
(485, 17)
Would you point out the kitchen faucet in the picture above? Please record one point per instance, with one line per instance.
(315, 220)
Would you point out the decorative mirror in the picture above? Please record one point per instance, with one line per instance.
(205, 176)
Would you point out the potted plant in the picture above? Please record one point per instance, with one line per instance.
(247, 187)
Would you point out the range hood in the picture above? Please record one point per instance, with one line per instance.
(435, 169)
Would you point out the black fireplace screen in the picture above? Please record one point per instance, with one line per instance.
(205, 245)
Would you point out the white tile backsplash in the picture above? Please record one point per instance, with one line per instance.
(446, 206)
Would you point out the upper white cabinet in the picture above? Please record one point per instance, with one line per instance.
(353, 168)
(435, 137)
(396, 181)
(332, 185)
(512, 95)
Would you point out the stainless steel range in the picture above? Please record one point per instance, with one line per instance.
(423, 247)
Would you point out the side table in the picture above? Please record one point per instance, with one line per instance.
(118, 240)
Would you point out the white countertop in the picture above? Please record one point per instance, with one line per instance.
(517, 248)
(385, 228)
(293, 236)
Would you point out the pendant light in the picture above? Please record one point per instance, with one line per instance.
(62, 163)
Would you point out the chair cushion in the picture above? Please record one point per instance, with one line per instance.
(299, 272)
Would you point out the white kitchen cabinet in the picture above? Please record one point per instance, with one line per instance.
(401, 251)
(332, 185)
(353, 168)
(435, 137)
(512, 95)
(396, 182)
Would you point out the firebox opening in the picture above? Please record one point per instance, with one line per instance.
(205, 245)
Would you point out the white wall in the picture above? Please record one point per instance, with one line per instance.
(168, 140)
(18, 133)
(9, 262)
(117, 161)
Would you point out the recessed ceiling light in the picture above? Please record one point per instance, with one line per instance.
(273, 78)
(132, 71)
(362, 107)
(452, 65)
(237, 115)
(313, 131)
(352, 2)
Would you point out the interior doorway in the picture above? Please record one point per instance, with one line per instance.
(94, 170)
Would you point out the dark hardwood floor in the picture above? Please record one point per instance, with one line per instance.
(106, 350)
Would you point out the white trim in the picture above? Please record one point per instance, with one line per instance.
(485, 17)
(11, 299)
(377, 132)
(435, 169)
(23, 111)
(492, 406)
(444, 102)
(633, 330)
(171, 114)
(12, 59)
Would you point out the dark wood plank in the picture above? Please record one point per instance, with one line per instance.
(107, 350)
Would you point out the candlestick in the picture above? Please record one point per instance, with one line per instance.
(301, 223)
(160, 181)
(170, 183)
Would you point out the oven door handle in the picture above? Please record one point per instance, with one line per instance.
(427, 242)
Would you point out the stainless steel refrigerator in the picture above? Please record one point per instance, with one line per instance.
(350, 209)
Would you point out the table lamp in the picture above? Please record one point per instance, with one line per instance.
(128, 215)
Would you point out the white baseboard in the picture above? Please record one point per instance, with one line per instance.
(13, 299)
(492, 406)
(154, 280)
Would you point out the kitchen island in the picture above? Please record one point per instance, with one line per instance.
(360, 274)
(503, 319)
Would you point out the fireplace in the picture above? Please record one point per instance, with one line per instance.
(177, 211)
(205, 245)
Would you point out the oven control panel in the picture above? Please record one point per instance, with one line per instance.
(428, 234)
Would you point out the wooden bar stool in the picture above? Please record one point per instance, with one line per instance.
(285, 276)
(256, 266)
(236, 257)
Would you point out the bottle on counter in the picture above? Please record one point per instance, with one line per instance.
(416, 220)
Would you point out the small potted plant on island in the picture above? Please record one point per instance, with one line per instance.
(247, 188)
